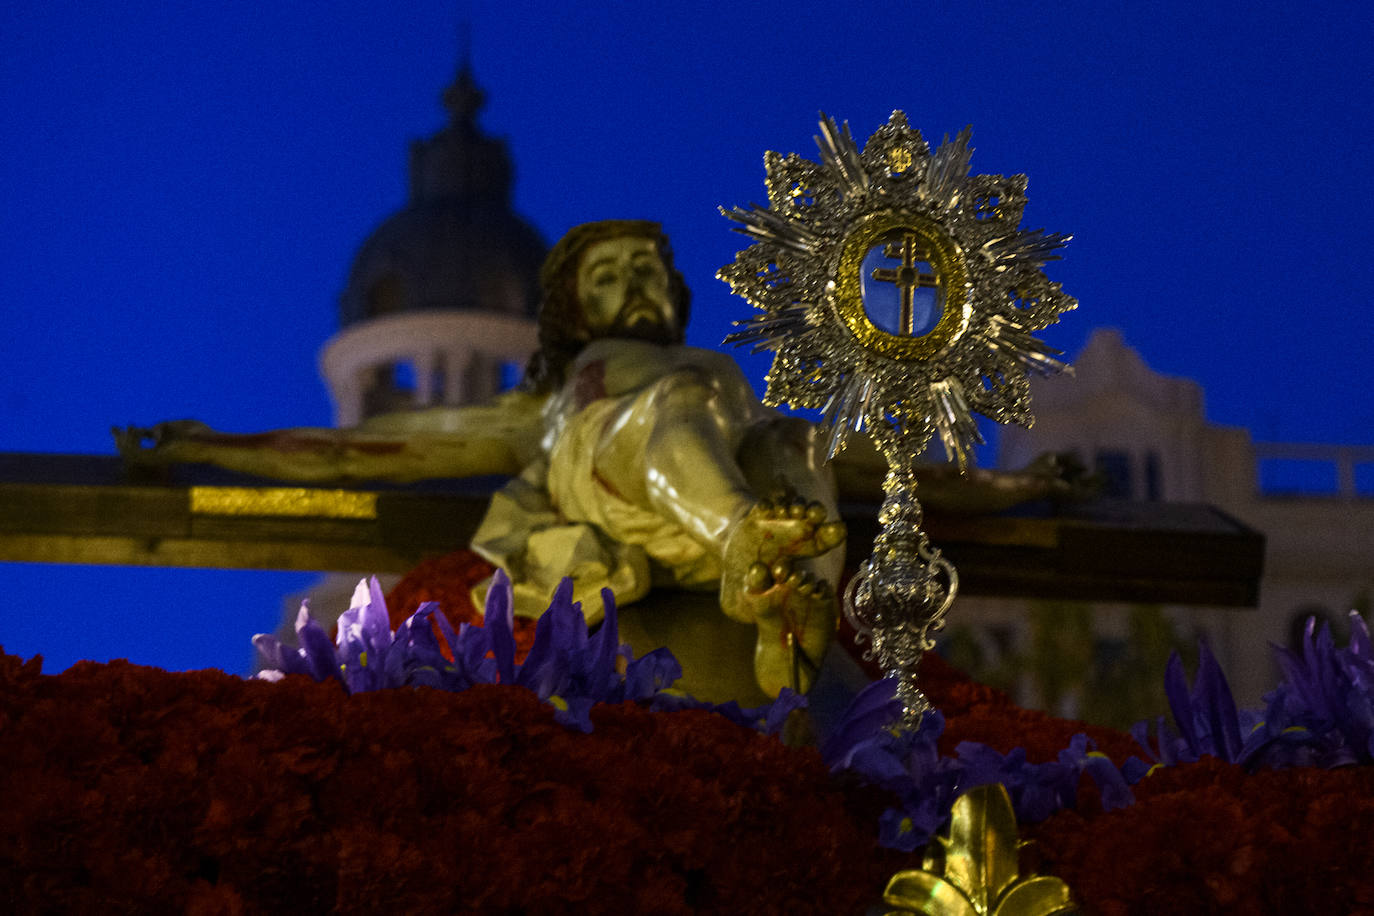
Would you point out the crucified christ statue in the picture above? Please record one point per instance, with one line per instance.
(636, 462)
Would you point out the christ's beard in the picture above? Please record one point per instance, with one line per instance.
(641, 320)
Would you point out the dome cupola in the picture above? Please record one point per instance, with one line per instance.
(440, 301)
(456, 244)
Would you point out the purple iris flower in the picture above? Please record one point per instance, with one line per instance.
(1321, 714)
(1206, 720)
(314, 657)
(1037, 790)
(907, 830)
(870, 744)
(567, 667)
(1083, 756)
(1332, 686)
(364, 641)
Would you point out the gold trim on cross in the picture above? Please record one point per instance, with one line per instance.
(907, 278)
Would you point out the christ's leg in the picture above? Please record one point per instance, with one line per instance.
(698, 452)
(788, 591)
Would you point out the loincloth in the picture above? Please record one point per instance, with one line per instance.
(560, 518)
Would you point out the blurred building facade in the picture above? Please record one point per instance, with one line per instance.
(440, 302)
(1147, 437)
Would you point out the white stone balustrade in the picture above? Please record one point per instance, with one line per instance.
(1344, 458)
(446, 344)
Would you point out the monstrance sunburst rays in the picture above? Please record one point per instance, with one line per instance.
(900, 296)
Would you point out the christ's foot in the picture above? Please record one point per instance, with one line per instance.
(796, 617)
(795, 613)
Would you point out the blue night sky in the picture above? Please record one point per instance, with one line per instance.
(186, 184)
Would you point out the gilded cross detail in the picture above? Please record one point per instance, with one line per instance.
(906, 278)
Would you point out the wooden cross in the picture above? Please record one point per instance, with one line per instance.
(90, 509)
(906, 278)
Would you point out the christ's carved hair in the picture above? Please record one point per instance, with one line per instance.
(563, 330)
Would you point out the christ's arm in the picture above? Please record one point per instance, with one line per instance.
(440, 442)
(860, 469)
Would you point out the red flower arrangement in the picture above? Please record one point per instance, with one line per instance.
(977, 712)
(1208, 837)
(131, 789)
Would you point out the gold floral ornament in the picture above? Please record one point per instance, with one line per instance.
(974, 871)
(900, 296)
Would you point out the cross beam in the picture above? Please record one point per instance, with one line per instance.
(86, 509)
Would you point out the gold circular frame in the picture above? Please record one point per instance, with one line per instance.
(946, 260)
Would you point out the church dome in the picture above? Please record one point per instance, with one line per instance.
(457, 244)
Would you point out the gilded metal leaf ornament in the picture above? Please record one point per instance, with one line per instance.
(975, 870)
(900, 297)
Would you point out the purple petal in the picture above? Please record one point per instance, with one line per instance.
(1080, 745)
(647, 675)
(278, 657)
(573, 712)
(1140, 731)
(544, 669)
(980, 765)
(1360, 645)
(1300, 691)
(316, 649)
(604, 646)
(921, 749)
(1135, 769)
(396, 662)
(873, 760)
(1219, 706)
(562, 597)
(440, 619)
(415, 637)
(1039, 799)
(776, 713)
(361, 679)
(1181, 704)
(1110, 781)
(373, 619)
(347, 633)
(415, 657)
(471, 650)
(499, 622)
(1324, 668)
(898, 831)
(930, 813)
(873, 709)
(572, 630)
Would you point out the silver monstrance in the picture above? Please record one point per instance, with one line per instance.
(900, 295)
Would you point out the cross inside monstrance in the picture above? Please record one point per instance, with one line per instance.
(905, 298)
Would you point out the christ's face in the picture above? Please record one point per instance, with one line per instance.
(622, 286)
